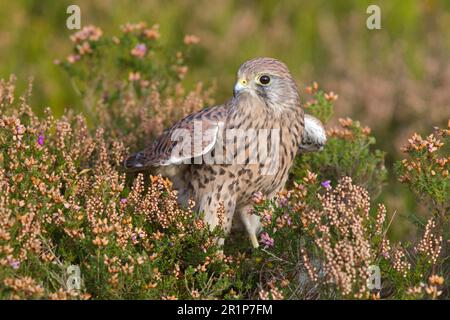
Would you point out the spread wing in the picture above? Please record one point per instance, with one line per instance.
(314, 136)
(190, 137)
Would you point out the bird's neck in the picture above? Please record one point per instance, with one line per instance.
(250, 112)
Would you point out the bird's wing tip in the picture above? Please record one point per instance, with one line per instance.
(133, 162)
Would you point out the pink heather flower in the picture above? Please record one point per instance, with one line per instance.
(40, 140)
(139, 51)
(134, 76)
(267, 217)
(326, 184)
(266, 240)
(123, 201)
(258, 197)
(20, 129)
(288, 220)
(191, 39)
(87, 33)
(73, 58)
(15, 264)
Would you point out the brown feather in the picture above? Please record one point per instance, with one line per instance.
(160, 151)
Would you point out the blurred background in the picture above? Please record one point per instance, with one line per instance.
(396, 80)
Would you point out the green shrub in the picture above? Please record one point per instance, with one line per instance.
(349, 150)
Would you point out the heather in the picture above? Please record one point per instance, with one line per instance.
(65, 201)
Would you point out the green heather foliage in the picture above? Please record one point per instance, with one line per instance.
(64, 200)
(360, 160)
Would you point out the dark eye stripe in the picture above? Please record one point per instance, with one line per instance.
(264, 79)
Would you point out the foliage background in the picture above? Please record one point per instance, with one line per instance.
(396, 80)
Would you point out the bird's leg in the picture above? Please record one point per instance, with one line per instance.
(252, 224)
(211, 208)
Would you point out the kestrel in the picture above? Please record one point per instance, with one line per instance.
(221, 156)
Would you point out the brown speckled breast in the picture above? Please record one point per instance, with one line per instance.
(240, 181)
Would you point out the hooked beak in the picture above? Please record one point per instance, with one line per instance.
(240, 86)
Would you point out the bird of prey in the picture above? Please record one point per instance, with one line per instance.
(221, 156)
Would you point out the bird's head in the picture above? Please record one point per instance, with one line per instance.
(269, 80)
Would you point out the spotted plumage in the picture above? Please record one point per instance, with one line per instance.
(261, 127)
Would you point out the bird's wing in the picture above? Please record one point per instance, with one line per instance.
(191, 137)
(314, 136)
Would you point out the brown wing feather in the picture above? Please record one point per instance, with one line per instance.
(161, 151)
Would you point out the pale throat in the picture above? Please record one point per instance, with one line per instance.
(252, 112)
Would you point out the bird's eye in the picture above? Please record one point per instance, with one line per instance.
(264, 79)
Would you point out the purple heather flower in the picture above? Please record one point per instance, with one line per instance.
(267, 240)
(282, 202)
(15, 264)
(139, 51)
(267, 217)
(20, 129)
(289, 220)
(123, 201)
(326, 184)
(40, 140)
